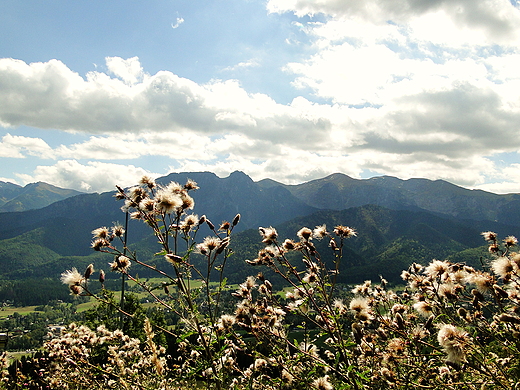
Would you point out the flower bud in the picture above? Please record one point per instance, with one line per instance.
(89, 271)
(174, 259)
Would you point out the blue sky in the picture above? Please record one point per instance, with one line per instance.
(96, 93)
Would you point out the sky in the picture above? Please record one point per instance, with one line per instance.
(98, 93)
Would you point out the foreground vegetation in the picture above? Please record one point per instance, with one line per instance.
(452, 327)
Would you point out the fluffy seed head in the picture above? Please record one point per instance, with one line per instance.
(344, 231)
(319, 232)
(99, 243)
(453, 341)
(71, 277)
(323, 383)
(167, 201)
(191, 185)
(118, 230)
(437, 268)
(489, 236)
(423, 308)
(502, 267)
(121, 264)
(269, 234)
(304, 234)
(358, 304)
(101, 232)
(147, 181)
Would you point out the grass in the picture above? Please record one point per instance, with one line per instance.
(24, 310)
(17, 355)
(86, 305)
(9, 310)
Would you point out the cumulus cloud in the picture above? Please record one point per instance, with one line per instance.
(496, 19)
(410, 88)
(16, 146)
(423, 100)
(49, 95)
(129, 70)
(130, 146)
(93, 177)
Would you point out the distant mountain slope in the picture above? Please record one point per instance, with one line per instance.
(339, 191)
(222, 198)
(8, 191)
(32, 196)
(391, 216)
(388, 241)
(67, 224)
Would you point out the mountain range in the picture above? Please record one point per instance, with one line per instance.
(33, 196)
(398, 222)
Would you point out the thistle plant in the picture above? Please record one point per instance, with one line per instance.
(449, 326)
(165, 210)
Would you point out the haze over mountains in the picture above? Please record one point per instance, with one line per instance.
(398, 222)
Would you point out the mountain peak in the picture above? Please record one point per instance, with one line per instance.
(240, 176)
(32, 196)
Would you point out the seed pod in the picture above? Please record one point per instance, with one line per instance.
(429, 322)
(174, 259)
(75, 289)
(357, 332)
(477, 294)
(89, 271)
(399, 321)
(509, 318)
(462, 313)
(225, 225)
(223, 245)
(501, 293)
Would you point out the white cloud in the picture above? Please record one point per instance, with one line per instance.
(92, 177)
(243, 65)
(130, 146)
(497, 20)
(403, 102)
(16, 146)
(129, 70)
(177, 23)
(287, 166)
(8, 180)
(49, 95)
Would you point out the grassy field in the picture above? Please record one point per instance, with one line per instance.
(7, 311)
(23, 310)
(10, 310)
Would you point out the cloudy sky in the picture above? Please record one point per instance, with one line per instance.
(96, 93)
